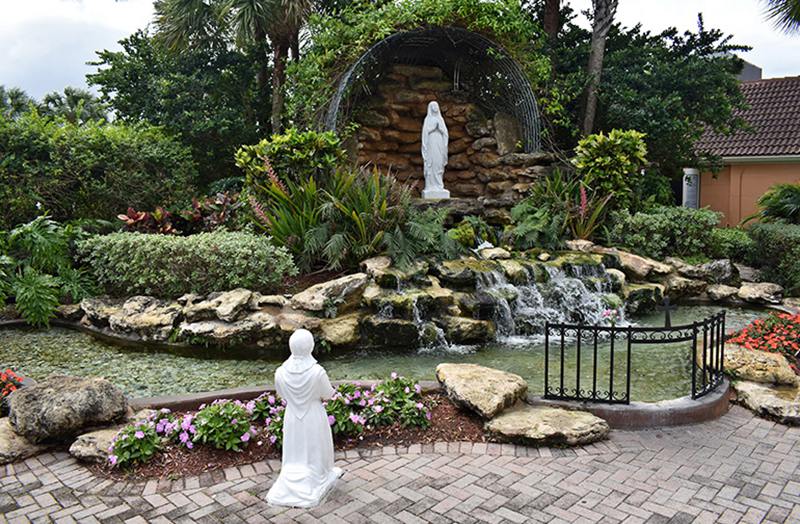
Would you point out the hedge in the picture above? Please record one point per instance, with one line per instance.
(777, 252)
(168, 266)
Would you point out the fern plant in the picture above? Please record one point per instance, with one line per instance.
(36, 296)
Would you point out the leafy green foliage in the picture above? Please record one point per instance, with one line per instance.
(666, 231)
(536, 226)
(671, 86)
(338, 40)
(421, 234)
(608, 162)
(225, 424)
(92, 170)
(35, 295)
(296, 155)
(205, 95)
(36, 269)
(74, 105)
(14, 102)
(169, 266)
(780, 204)
(732, 243)
(134, 444)
(777, 251)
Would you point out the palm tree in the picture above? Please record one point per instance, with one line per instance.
(14, 102)
(785, 14)
(75, 105)
(251, 23)
(603, 12)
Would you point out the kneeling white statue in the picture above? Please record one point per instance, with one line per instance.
(307, 470)
(434, 153)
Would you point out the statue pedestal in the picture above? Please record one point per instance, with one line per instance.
(435, 194)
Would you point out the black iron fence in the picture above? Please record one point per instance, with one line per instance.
(602, 363)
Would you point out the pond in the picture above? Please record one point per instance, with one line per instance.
(660, 371)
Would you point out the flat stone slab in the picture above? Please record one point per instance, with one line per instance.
(14, 447)
(543, 426)
(486, 391)
(93, 446)
(781, 403)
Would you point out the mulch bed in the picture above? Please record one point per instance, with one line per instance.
(448, 424)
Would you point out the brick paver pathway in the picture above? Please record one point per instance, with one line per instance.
(736, 469)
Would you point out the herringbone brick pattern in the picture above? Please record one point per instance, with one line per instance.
(736, 469)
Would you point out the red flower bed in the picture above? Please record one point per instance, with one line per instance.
(778, 333)
(9, 382)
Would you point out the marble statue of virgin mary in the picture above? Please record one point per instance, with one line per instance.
(434, 153)
(307, 470)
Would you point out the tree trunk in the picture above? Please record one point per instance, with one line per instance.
(604, 11)
(262, 79)
(552, 19)
(296, 46)
(279, 53)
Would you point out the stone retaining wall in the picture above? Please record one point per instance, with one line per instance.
(485, 158)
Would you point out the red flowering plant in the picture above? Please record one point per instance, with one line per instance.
(9, 383)
(777, 333)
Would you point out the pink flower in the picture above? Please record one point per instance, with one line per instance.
(393, 375)
(354, 418)
(234, 422)
(378, 408)
(112, 459)
(184, 437)
(273, 439)
(331, 420)
(417, 388)
(420, 405)
(189, 445)
(271, 399)
(357, 394)
(245, 437)
(428, 415)
(139, 434)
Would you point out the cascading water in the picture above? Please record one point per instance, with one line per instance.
(571, 295)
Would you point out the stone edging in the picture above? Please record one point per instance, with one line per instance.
(644, 415)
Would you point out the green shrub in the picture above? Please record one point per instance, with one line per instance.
(92, 170)
(666, 231)
(295, 155)
(780, 204)
(170, 266)
(776, 250)
(731, 243)
(225, 424)
(610, 163)
(134, 444)
(36, 269)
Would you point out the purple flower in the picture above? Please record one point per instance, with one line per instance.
(184, 437)
(357, 394)
(394, 375)
(407, 390)
(420, 405)
(234, 422)
(417, 388)
(189, 445)
(139, 434)
(331, 420)
(428, 415)
(273, 439)
(268, 421)
(271, 399)
(347, 401)
(378, 408)
(362, 403)
(112, 459)
(354, 418)
(250, 406)
(245, 437)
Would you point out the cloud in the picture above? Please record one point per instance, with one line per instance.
(45, 44)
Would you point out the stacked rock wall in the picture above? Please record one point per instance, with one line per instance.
(485, 157)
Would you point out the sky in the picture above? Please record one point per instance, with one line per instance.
(45, 44)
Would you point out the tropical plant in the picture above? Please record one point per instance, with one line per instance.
(777, 333)
(610, 162)
(204, 215)
(785, 14)
(36, 269)
(781, 203)
(14, 102)
(776, 249)
(587, 217)
(536, 226)
(225, 424)
(134, 444)
(74, 105)
(126, 264)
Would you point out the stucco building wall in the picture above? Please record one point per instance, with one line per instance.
(735, 190)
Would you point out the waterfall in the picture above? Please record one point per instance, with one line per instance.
(570, 295)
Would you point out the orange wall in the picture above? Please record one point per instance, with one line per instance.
(735, 190)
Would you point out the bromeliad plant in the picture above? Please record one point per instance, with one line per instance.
(777, 333)
(36, 269)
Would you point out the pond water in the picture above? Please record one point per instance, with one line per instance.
(659, 371)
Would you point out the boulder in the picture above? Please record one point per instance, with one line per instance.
(98, 309)
(721, 292)
(515, 271)
(14, 447)
(464, 273)
(217, 331)
(486, 391)
(257, 301)
(494, 253)
(547, 426)
(580, 245)
(61, 406)
(462, 330)
(781, 403)
(761, 293)
(389, 332)
(721, 271)
(636, 267)
(678, 286)
(147, 318)
(93, 446)
(748, 274)
(69, 312)
(345, 292)
(617, 278)
(395, 277)
(642, 297)
(374, 265)
(757, 366)
(342, 331)
(506, 133)
(227, 306)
